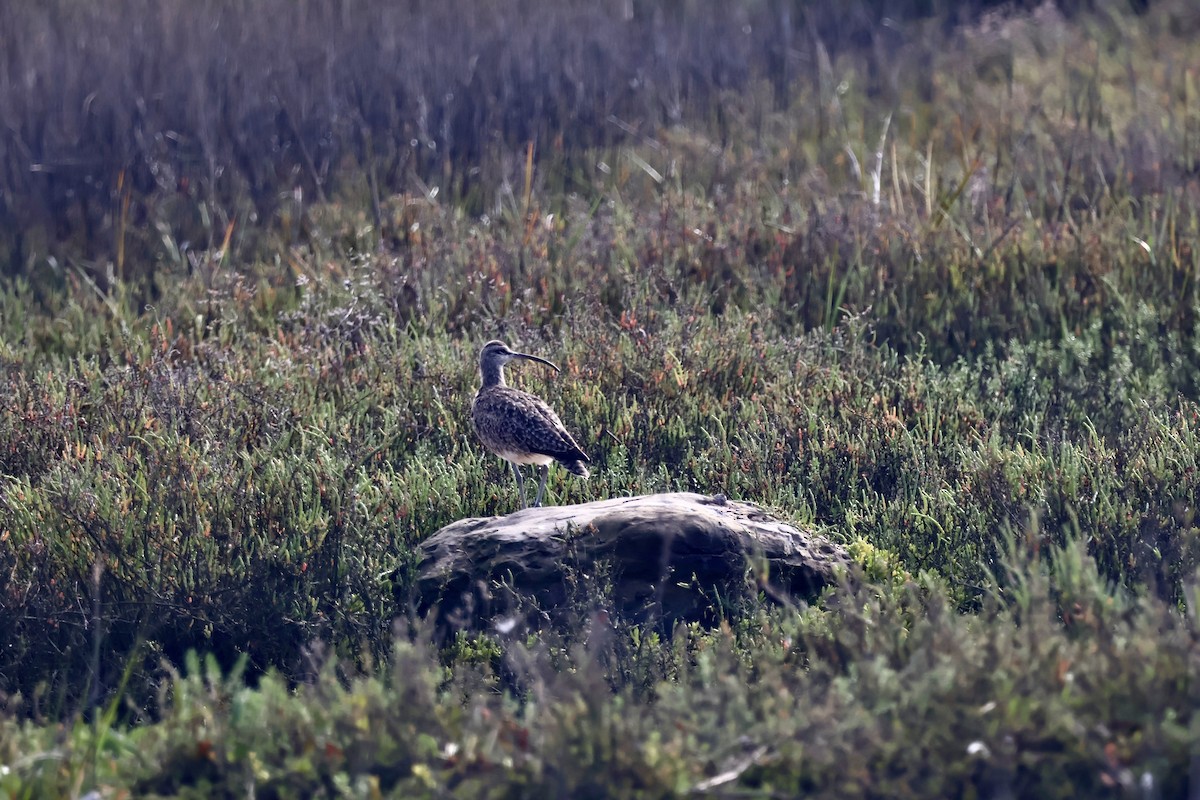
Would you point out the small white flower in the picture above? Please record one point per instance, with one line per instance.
(978, 749)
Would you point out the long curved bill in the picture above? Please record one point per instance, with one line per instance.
(535, 358)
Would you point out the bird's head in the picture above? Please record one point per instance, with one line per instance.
(495, 354)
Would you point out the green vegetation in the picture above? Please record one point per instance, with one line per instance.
(928, 287)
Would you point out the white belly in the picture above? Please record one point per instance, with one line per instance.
(526, 458)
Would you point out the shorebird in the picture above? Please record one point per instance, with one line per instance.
(519, 427)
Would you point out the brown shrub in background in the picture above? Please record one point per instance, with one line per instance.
(134, 116)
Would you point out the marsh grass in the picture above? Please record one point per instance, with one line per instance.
(935, 299)
(1060, 684)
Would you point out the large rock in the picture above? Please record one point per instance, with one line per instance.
(667, 557)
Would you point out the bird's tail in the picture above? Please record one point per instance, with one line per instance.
(576, 467)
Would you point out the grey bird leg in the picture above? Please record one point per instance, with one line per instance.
(543, 470)
(520, 483)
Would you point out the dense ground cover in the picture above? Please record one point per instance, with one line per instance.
(935, 297)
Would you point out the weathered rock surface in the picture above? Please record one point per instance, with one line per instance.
(667, 557)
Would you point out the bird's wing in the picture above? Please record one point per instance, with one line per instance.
(518, 421)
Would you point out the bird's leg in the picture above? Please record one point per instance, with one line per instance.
(542, 470)
(520, 482)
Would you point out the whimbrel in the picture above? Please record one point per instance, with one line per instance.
(519, 427)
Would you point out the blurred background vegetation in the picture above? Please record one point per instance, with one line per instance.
(141, 131)
(920, 276)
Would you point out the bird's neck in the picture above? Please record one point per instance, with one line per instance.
(493, 375)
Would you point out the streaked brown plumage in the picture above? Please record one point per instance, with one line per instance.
(519, 427)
